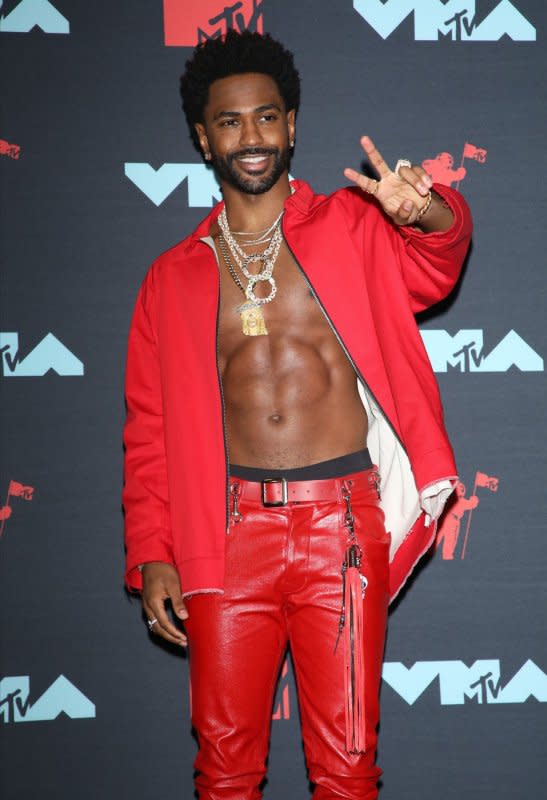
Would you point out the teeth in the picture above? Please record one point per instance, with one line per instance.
(252, 159)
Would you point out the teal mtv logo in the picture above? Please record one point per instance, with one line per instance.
(158, 184)
(49, 354)
(62, 697)
(465, 352)
(29, 14)
(450, 19)
(457, 683)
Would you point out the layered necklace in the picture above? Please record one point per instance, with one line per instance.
(252, 318)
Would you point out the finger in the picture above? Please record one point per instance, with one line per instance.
(155, 609)
(175, 596)
(374, 156)
(409, 175)
(425, 176)
(366, 184)
(406, 211)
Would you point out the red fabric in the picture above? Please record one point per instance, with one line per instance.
(371, 278)
(284, 586)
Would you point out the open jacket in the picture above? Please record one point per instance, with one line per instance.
(370, 277)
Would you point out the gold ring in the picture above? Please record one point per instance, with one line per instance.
(373, 191)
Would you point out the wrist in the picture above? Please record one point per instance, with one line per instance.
(425, 208)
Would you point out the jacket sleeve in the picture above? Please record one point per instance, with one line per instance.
(431, 262)
(145, 494)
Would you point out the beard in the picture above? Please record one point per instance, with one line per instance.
(227, 171)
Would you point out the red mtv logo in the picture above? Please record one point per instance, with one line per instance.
(441, 168)
(9, 150)
(448, 534)
(15, 489)
(188, 23)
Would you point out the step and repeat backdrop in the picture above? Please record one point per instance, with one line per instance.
(98, 176)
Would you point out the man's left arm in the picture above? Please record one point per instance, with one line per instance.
(431, 225)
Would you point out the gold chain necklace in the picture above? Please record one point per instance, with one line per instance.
(252, 318)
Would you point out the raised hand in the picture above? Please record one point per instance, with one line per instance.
(402, 195)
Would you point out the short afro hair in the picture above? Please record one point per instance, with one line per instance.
(235, 54)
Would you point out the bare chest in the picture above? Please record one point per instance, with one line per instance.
(293, 314)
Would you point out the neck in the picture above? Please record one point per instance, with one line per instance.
(254, 212)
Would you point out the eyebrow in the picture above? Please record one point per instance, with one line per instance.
(257, 110)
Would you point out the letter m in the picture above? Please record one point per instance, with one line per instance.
(444, 350)
(458, 682)
(31, 13)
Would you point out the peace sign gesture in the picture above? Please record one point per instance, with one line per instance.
(403, 195)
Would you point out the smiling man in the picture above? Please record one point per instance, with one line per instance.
(286, 458)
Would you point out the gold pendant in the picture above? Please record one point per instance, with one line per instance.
(252, 319)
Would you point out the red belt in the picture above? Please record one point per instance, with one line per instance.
(273, 492)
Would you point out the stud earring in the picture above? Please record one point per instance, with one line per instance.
(207, 156)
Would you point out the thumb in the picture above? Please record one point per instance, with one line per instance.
(177, 602)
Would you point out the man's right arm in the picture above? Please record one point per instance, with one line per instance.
(145, 494)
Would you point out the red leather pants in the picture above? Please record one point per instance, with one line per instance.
(283, 585)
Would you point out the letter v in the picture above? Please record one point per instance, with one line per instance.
(158, 184)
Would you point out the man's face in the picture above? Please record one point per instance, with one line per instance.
(247, 131)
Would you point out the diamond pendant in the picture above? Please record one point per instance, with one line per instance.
(252, 319)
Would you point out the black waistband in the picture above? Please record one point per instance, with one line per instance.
(333, 468)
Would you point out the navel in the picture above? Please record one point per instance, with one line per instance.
(276, 418)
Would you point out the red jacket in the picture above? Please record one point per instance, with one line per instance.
(370, 278)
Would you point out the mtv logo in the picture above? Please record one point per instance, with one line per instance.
(187, 24)
(158, 184)
(457, 683)
(29, 14)
(62, 697)
(464, 352)
(48, 354)
(454, 19)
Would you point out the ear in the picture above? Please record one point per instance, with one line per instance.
(203, 141)
(291, 124)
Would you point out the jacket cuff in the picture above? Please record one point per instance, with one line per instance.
(433, 498)
(461, 226)
(137, 557)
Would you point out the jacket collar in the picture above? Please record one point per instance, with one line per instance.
(301, 201)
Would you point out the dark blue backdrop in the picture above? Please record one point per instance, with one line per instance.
(91, 98)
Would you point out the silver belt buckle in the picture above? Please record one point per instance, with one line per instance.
(284, 492)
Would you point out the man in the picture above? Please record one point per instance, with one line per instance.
(281, 407)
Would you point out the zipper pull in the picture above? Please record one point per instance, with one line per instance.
(235, 492)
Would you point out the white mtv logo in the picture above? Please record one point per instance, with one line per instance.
(158, 184)
(454, 19)
(48, 354)
(34, 13)
(61, 697)
(457, 682)
(464, 351)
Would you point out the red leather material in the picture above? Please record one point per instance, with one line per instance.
(301, 491)
(283, 585)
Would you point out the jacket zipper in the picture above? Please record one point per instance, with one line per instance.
(340, 340)
(226, 460)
